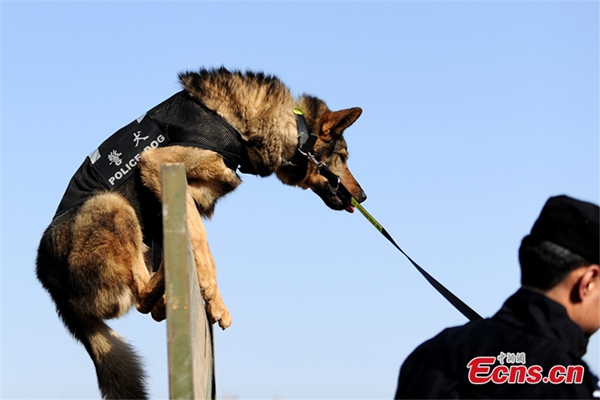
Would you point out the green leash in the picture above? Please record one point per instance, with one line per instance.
(306, 141)
(448, 295)
(336, 183)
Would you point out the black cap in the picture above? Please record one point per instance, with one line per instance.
(570, 223)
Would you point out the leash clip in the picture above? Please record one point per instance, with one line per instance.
(334, 181)
(312, 158)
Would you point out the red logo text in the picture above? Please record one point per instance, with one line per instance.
(483, 370)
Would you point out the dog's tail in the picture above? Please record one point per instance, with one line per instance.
(118, 367)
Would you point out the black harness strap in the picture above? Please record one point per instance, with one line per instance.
(345, 195)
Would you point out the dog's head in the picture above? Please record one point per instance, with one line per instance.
(330, 148)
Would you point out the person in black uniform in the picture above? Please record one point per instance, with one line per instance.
(532, 347)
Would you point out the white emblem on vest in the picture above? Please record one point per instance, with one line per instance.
(115, 157)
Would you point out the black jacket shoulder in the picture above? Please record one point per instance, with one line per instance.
(529, 330)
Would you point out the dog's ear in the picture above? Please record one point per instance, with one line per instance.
(335, 122)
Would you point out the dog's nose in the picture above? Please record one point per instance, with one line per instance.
(362, 196)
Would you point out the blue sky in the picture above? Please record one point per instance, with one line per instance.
(474, 113)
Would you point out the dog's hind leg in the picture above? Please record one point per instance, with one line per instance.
(107, 256)
(87, 261)
(149, 291)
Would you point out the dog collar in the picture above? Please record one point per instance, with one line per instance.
(306, 140)
(306, 143)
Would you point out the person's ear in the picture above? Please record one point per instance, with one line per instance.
(589, 282)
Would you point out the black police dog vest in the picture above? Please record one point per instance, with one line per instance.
(181, 120)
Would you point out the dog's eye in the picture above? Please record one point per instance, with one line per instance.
(343, 158)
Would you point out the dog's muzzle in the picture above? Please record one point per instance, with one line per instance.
(337, 187)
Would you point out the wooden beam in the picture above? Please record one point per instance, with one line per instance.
(189, 333)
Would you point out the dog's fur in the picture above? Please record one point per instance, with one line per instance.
(93, 259)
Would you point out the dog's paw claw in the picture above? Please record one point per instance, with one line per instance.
(225, 321)
(217, 312)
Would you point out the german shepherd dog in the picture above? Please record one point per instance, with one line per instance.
(102, 252)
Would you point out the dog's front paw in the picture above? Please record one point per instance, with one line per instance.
(217, 312)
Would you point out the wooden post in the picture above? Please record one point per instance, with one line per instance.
(189, 333)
